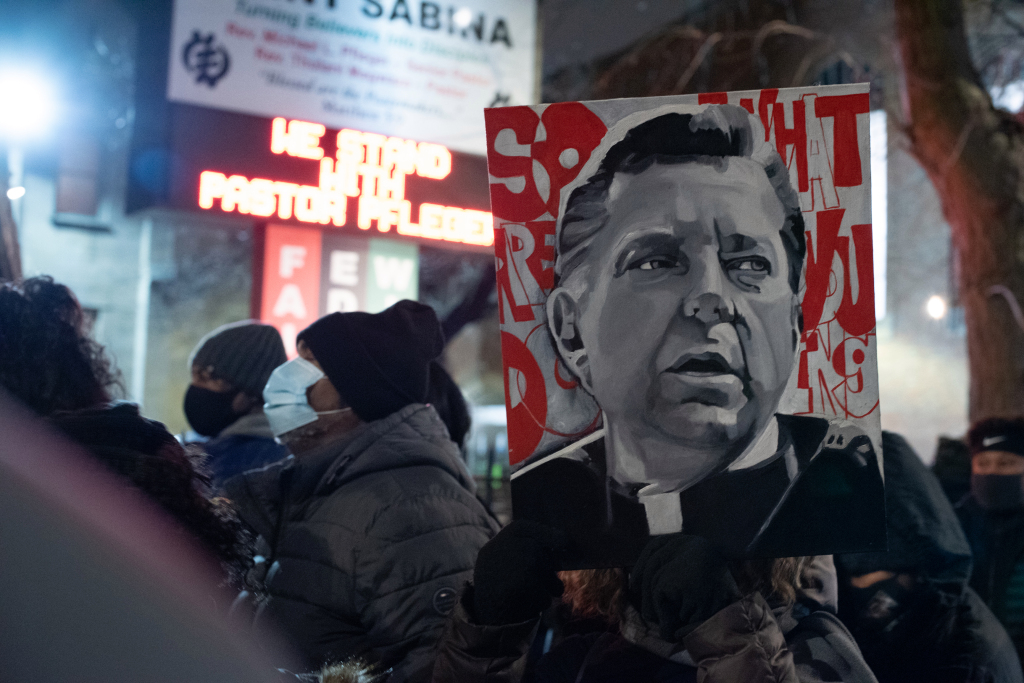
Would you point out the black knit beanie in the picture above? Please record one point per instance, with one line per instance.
(378, 362)
(243, 353)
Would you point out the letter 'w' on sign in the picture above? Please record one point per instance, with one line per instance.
(297, 138)
(393, 273)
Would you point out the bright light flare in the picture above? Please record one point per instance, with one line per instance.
(463, 18)
(15, 193)
(29, 104)
(936, 307)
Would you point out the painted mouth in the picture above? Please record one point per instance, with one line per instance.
(703, 365)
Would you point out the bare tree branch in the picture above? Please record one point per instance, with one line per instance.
(998, 10)
(695, 63)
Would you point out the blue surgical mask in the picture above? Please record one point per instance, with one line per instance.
(285, 404)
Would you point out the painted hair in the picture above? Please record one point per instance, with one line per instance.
(702, 135)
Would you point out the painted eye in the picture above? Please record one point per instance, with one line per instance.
(658, 263)
(750, 265)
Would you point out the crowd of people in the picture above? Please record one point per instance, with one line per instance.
(332, 490)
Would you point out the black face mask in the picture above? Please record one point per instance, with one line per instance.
(209, 412)
(998, 491)
(878, 605)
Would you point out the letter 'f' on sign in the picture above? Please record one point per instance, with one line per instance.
(292, 258)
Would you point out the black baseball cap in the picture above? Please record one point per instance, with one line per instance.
(997, 434)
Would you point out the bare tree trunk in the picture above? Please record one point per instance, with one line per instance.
(974, 155)
(10, 255)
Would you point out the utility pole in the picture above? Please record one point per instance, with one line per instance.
(10, 254)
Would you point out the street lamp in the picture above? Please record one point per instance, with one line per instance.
(936, 307)
(28, 108)
(29, 105)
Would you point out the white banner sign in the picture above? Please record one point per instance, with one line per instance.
(415, 69)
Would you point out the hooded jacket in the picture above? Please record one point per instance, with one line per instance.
(246, 444)
(367, 540)
(748, 641)
(943, 632)
(997, 541)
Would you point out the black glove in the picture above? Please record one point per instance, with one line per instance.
(680, 582)
(516, 574)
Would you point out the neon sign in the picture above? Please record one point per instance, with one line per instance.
(369, 167)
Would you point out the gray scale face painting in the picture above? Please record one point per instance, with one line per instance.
(688, 321)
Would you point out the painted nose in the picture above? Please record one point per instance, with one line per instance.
(707, 300)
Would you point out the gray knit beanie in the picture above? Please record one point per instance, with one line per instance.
(243, 353)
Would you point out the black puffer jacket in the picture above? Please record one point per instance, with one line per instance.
(368, 540)
(943, 633)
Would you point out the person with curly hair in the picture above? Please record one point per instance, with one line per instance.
(681, 614)
(49, 363)
(47, 360)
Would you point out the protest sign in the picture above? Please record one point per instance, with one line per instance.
(687, 320)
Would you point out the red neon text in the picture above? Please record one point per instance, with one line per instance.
(369, 167)
(298, 138)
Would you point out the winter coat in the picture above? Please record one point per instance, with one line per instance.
(367, 540)
(150, 459)
(246, 444)
(746, 642)
(944, 633)
(997, 541)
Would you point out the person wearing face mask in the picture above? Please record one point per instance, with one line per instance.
(910, 609)
(230, 366)
(369, 531)
(992, 515)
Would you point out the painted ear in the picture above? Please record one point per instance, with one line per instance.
(563, 322)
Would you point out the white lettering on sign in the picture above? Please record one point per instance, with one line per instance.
(292, 258)
(392, 272)
(341, 301)
(368, 166)
(344, 269)
(288, 334)
(289, 302)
